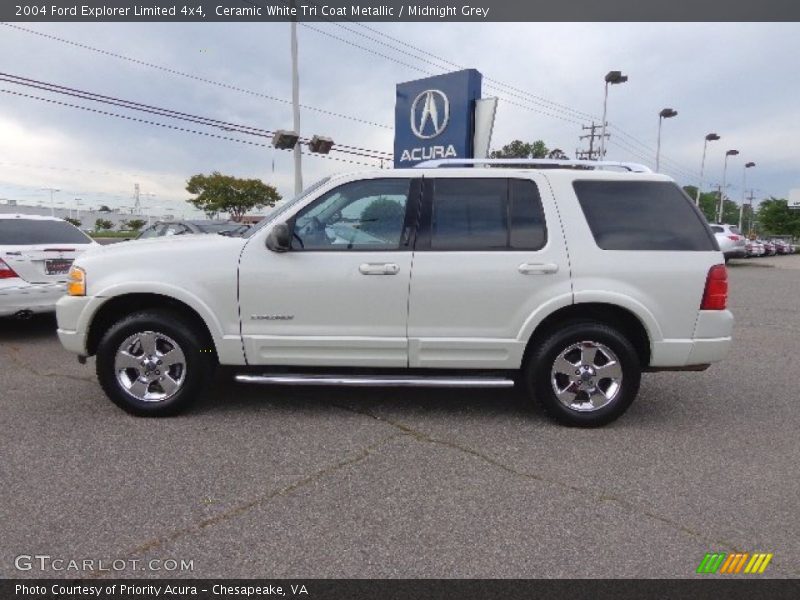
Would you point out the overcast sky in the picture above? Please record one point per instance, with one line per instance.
(739, 80)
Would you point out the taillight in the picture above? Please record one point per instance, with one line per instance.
(715, 296)
(6, 272)
(735, 238)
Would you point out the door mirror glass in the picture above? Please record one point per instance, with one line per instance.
(280, 238)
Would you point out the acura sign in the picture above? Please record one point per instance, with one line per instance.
(434, 117)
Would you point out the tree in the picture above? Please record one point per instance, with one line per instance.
(104, 208)
(557, 154)
(103, 225)
(520, 149)
(218, 193)
(709, 206)
(775, 217)
(72, 221)
(132, 225)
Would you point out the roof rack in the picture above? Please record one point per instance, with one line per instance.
(534, 162)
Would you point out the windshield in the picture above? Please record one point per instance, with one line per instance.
(27, 232)
(283, 208)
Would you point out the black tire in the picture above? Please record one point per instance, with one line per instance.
(538, 376)
(195, 374)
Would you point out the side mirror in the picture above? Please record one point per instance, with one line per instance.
(280, 238)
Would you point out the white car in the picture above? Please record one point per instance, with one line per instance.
(568, 281)
(731, 241)
(36, 254)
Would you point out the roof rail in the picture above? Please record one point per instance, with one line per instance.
(533, 162)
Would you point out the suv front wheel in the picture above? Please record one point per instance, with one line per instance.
(585, 374)
(153, 364)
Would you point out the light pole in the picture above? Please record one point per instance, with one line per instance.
(744, 191)
(298, 172)
(613, 78)
(52, 206)
(711, 137)
(666, 113)
(724, 178)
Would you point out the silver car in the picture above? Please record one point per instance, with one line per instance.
(730, 240)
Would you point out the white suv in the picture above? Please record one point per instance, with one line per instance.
(570, 281)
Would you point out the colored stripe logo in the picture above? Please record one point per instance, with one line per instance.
(737, 562)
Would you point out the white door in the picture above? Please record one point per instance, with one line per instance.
(340, 295)
(489, 257)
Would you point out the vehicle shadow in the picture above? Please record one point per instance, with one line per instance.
(39, 326)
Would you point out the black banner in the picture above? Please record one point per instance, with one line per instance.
(734, 588)
(394, 10)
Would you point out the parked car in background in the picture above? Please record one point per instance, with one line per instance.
(782, 246)
(165, 228)
(769, 248)
(730, 240)
(754, 248)
(36, 254)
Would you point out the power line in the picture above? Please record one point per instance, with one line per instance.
(169, 113)
(168, 126)
(194, 77)
(493, 84)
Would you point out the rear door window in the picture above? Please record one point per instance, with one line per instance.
(29, 232)
(642, 215)
(486, 214)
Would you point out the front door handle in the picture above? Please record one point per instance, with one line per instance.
(379, 269)
(537, 268)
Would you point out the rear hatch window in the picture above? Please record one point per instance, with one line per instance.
(32, 232)
(642, 215)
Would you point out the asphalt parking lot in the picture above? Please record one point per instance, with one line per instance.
(280, 482)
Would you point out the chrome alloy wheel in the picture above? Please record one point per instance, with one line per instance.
(150, 366)
(586, 376)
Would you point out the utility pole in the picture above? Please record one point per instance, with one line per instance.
(298, 173)
(591, 153)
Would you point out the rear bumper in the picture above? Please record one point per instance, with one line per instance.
(713, 336)
(735, 253)
(17, 296)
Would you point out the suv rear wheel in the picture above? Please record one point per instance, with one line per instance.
(153, 364)
(585, 374)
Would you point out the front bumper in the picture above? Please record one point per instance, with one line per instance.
(73, 314)
(16, 297)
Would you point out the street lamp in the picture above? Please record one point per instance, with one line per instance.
(711, 137)
(666, 113)
(744, 191)
(52, 206)
(613, 78)
(724, 179)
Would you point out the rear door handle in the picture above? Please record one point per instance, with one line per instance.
(537, 268)
(379, 269)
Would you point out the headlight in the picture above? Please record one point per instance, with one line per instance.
(76, 282)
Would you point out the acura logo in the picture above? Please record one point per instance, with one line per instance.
(430, 113)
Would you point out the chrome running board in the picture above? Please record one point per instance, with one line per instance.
(379, 380)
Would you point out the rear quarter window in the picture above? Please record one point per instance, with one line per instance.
(642, 215)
